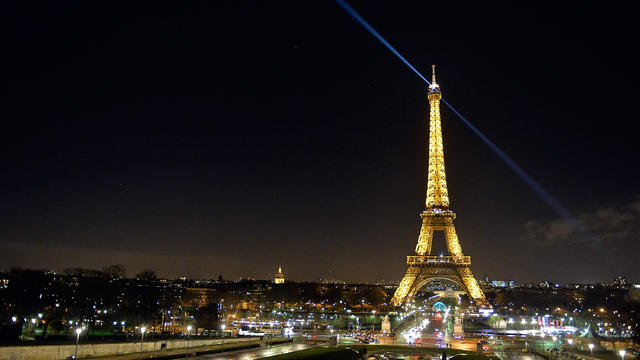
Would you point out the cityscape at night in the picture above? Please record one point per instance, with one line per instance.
(319, 180)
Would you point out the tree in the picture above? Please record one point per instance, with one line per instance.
(208, 317)
(636, 334)
(147, 275)
(339, 322)
(374, 295)
(83, 273)
(114, 272)
(24, 296)
(495, 320)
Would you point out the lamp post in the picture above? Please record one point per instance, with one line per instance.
(222, 338)
(142, 331)
(591, 348)
(374, 319)
(622, 353)
(188, 338)
(78, 331)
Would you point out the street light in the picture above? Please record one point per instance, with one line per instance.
(374, 319)
(222, 338)
(622, 353)
(188, 337)
(142, 331)
(78, 331)
(591, 348)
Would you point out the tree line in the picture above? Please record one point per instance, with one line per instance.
(38, 305)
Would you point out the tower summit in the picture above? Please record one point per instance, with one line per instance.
(279, 279)
(433, 78)
(437, 216)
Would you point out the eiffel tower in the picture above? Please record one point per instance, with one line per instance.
(422, 267)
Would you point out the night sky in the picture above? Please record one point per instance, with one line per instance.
(200, 139)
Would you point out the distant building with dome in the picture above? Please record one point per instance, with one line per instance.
(279, 276)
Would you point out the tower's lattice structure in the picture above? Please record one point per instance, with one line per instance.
(422, 267)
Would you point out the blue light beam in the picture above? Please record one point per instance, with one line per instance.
(373, 32)
(537, 188)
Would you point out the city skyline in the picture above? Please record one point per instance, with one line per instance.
(214, 141)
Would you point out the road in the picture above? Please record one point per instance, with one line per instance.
(506, 350)
(517, 356)
(251, 354)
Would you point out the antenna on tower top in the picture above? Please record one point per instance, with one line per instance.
(433, 74)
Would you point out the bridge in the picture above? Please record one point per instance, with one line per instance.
(449, 293)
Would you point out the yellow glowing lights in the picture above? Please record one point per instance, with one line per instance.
(422, 267)
(437, 194)
(279, 279)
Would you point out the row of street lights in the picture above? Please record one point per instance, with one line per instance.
(143, 330)
(622, 353)
(221, 338)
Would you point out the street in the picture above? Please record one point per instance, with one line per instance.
(251, 354)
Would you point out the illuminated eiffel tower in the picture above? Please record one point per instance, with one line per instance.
(422, 267)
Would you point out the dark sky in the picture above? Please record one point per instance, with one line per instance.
(208, 138)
